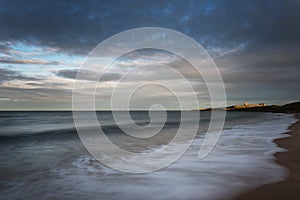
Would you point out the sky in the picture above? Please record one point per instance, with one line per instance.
(255, 45)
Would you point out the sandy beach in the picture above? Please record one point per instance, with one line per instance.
(289, 188)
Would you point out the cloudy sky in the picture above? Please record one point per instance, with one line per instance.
(255, 44)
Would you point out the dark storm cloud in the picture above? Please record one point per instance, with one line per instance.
(8, 75)
(77, 26)
(88, 75)
(274, 66)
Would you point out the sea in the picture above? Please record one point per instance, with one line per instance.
(42, 157)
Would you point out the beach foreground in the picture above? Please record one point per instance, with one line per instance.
(289, 188)
(42, 157)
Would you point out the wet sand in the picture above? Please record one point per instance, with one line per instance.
(288, 189)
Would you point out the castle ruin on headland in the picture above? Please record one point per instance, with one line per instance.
(247, 105)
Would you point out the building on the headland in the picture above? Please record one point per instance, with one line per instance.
(247, 105)
(236, 107)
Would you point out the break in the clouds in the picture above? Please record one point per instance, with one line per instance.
(255, 44)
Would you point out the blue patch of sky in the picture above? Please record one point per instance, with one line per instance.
(24, 51)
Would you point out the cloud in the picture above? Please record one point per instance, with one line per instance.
(88, 75)
(28, 61)
(4, 49)
(78, 27)
(37, 94)
(252, 42)
(8, 75)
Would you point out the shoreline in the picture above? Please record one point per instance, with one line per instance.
(290, 187)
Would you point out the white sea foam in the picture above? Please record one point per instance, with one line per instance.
(242, 159)
(50, 166)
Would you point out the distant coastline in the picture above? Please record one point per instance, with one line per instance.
(261, 107)
(287, 108)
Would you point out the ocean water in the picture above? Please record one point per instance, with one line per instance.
(42, 157)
